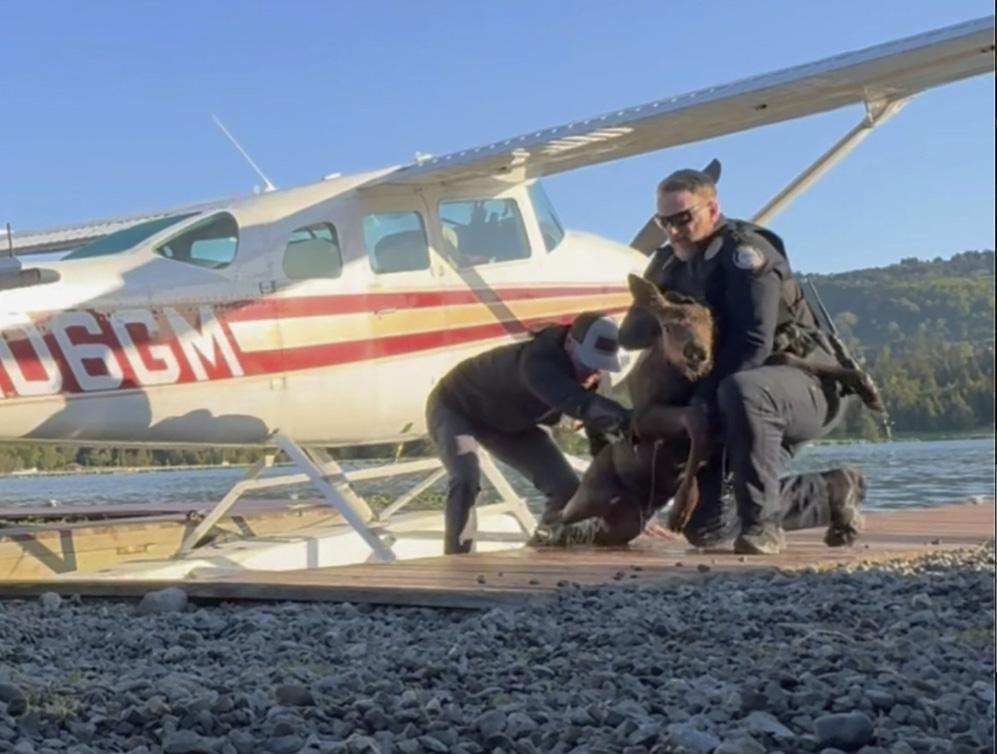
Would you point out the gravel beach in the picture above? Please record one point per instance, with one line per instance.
(894, 658)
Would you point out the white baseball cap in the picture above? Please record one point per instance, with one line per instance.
(598, 340)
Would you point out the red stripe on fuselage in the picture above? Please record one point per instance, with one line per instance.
(333, 354)
(313, 306)
(287, 359)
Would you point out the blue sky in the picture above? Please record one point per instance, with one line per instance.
(106, 107)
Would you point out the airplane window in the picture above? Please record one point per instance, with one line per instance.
(210, 243)
(550, 227)
(484, 231)
(127, 238)
(396, 242)
(313, 252)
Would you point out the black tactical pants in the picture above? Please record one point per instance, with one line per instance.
(532, 453)
(766, 413)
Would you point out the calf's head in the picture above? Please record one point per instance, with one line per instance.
(686, 331)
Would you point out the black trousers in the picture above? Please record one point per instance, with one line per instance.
(766, 414)
(531, 452)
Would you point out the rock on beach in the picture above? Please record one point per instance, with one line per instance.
(892, 659)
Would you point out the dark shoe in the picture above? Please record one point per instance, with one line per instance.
(761, 540)
(456, 547)
(846, 490)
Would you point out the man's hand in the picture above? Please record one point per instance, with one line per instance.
(592, 381)
(654, 530)
(606, 416)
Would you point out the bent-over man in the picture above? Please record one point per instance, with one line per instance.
(501, 398)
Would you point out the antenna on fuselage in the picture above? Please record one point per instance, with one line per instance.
(256, 168)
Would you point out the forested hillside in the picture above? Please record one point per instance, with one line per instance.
(943, 301)
(925, 330)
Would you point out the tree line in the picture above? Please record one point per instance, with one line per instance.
(925, 330)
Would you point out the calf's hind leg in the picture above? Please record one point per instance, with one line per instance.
(599, 486)
(622, 523)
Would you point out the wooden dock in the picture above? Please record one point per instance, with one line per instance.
(61, 541)
(524, 575)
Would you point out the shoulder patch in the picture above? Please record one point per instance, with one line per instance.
(747, 257)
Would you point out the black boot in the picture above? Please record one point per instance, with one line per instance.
(845, 492)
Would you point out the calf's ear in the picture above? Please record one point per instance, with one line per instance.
(639, 289)
(645, 292)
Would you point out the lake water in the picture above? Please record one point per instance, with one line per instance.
(900, 474)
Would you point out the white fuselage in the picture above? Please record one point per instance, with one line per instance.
(135, 347)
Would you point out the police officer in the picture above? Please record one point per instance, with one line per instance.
(500, 398)
(764, 412)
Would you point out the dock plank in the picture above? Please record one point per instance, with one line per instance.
(525, 575)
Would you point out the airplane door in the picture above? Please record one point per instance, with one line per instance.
(323, 327)
(490, 268)
(407, 310)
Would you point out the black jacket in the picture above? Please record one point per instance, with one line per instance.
(743, 275)
(516, 387)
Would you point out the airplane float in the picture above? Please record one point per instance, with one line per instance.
(323, 315)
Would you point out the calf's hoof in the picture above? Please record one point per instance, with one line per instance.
(585, 532)
(763, 540)
(846, 491)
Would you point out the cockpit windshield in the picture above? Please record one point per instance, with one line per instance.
(550, 226)
(126, 239)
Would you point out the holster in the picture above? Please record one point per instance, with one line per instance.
(791, 337)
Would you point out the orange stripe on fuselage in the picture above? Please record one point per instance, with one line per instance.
(291, 332)
(353, 303)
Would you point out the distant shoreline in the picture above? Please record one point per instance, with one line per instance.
(101, 470)
(978, 434)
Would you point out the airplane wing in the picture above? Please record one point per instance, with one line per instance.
(885, 72)
(69, 237)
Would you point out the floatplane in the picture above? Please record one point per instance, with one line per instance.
(321, 316)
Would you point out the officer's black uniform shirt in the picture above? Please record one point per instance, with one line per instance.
(743, 275)
(516, 387)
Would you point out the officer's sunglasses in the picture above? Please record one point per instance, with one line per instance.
(679, 219)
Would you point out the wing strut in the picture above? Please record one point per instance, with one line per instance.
(325, 475)
(378, 532)
(328, 478)
(876, 114)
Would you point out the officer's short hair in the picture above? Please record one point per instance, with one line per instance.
(693, 181)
